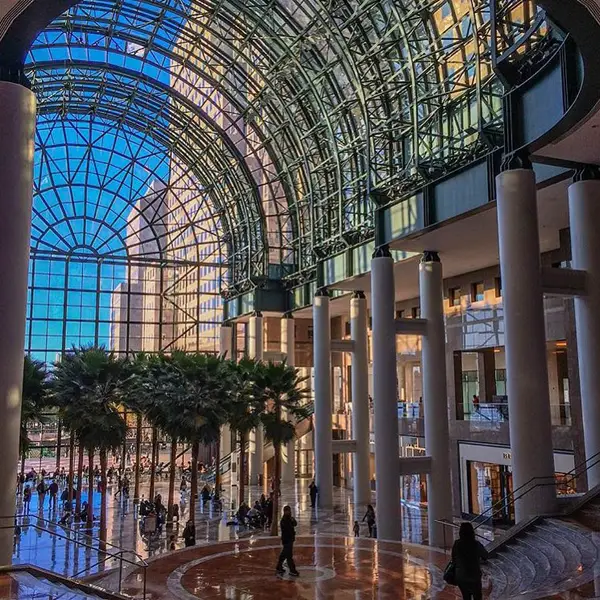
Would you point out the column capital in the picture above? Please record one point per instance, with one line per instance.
(287, 315)
(382, 252)
(322, 292)
(256, 313)
(358, 294)
(430, 256)
(516, 160)
(587, 173)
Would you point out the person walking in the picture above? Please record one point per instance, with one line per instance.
(370, 519)
(313, 490)
(53, 489)
(288, 536)
(27, 498)
(356, 529)
(189, 534)
(467, 554)
(41, 490)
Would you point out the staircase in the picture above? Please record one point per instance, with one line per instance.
(551, 554)
(303, 426)
(32, 583)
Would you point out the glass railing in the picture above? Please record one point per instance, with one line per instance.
(498, 412)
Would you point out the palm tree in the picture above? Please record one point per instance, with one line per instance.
(280, 387)
(89, 383)
(198, 410)
(244, 409)
(137, 394)
(35, 399)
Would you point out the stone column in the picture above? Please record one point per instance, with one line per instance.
(387, 449)
(226, 350)
(256, 350)
(323, 404)
(288, 349)
(17, 128)
(360, 401)
(584, 214)
(525, 335)
(435, 401)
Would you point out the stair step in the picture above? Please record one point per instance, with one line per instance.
(569, 550)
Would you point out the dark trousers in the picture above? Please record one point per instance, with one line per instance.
(313, 500)
(287, 554)
(471, 590)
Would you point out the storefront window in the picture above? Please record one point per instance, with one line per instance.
(488, 485)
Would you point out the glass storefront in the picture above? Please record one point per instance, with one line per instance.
(489, 484)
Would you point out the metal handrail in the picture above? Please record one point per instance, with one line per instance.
(109, 556)
(447, 523)
(574, 473)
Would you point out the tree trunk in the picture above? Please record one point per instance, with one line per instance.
(79, 479)
(58, 445)
(124, 453)
(172, 473)
(276, 480)
(153, 464)
(218, 467)
(90, 518)
(242, 480)
(138, 457)
(103, 499)
(194, 481)
(70, 480)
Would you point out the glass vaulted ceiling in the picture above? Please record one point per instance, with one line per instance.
(263, 129)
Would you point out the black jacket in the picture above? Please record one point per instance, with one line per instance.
(288, 529)
(467, 559)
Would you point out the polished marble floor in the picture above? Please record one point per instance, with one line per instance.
(330, 567)
(42, 541)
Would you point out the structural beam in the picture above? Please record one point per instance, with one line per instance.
(411, 326)
(564, 282)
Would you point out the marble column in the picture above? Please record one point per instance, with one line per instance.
(288, 349)
(226, 350)
(360, 401)
(256, 350)
(17, 128)
(525, 335)
(584, 214)
(435, 397)
(387, 447)
(323, 401)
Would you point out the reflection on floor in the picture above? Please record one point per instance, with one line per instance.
(55, 553)
(329, 566)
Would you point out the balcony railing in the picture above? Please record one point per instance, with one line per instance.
(497, 412)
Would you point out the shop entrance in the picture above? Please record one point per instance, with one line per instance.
(488, 484)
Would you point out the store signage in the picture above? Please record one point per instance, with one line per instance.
(507, 455)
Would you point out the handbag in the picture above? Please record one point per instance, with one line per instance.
(450, 573)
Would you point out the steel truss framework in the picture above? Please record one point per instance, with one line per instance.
(290, 121)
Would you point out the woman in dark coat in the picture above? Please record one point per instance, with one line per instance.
(467, 554)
